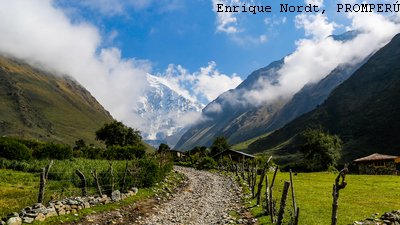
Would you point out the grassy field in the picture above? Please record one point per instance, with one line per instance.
(20, 189)
(363, 196)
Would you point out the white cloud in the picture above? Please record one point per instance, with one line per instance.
(202, 86)
(42, 35)
(211, 83)
(226, 21)
(315, 25)
(274, 21)
(316, 57)
(122, 7)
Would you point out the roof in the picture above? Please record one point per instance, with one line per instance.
(376, 157)
(241, 153)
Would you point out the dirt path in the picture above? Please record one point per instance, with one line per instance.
(208, 198)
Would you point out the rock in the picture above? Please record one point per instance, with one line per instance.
(40, 217)
(14, 221)
(51, 211)
(38, 206)
(13, 214)
(61, 212)
(135, 190)
(31, 215)
(27, 220)
(116, 196)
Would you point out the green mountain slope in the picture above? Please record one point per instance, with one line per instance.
(364, 111)
(35, 104)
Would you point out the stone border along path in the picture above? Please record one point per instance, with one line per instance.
(207, 199)
(201, 198)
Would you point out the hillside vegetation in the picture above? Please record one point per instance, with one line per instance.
(363, 111)
(38, 105)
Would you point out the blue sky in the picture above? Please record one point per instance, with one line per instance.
(109, 46)
(187, 34)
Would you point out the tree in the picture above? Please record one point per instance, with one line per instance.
(201, 151)
(163, 148)
(320, 149)
(116, 133)
(80, 144)
(219, 145)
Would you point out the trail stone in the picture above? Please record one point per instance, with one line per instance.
(116, 196)
(40, 217)
(28, 220)
(207, 200)
(14, 221)
(13, 214)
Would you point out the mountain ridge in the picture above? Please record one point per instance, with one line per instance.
(363, 111)
(39, 105)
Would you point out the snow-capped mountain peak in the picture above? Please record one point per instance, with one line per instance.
(163, 110)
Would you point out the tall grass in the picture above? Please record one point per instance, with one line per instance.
(363, 196)
(19, 181)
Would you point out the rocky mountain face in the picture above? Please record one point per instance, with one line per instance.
(363, 111)
(38, 105)
(311, 96)
(232, 116)
(163, 111)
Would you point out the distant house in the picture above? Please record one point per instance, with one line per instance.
(378, 164)
(178, 155)
(234, 155)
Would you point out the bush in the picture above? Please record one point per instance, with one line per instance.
(14, 150)
(127, 152)
(206, 163)
(53, 151)
(320, 149)
(149, 172)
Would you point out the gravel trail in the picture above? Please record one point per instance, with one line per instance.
(208, 199)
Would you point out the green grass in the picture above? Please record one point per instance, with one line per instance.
(20, 189)
(243, 146)
(142, 194)
(363, 196)
(58, 108)
(173, 179)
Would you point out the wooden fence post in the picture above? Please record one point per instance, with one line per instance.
(48, 167)
(296, 217)
(293, 195)
(125, 174)
(96, 180)
(260, 184)
(83, 182)
(283, 202)
(43, 178)
(271, 197)
(254, 180)
(268, 210)
(340, 183)
(112, 176)
(42, 185)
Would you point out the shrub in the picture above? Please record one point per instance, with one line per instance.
(206, 163)
(149, 172)
(53, 151)
(12, 149)
(127, 152)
